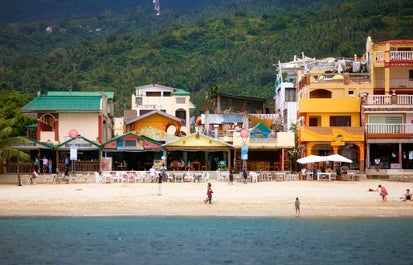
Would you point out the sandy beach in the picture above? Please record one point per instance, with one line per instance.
(264, 199)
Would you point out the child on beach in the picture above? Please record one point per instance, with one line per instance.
(383, 193)
(34, 175)
(209, 194)
(297, 207)
(407, 195)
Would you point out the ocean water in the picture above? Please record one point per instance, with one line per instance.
(201, 240)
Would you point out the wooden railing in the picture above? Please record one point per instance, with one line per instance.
(82, 166)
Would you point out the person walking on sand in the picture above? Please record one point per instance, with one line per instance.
(231, 178)
(245, 175)
(383, 193)
(161, 175)
(152, 173)
(209, 194)
(297, 207)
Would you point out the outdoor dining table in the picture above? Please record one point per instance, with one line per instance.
(330, 175)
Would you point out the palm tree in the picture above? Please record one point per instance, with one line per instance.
(6, 152)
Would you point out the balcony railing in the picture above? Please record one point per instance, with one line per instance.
(394, 83)
(381, 128)
(396, 58)
(387, 100)
(339, 78)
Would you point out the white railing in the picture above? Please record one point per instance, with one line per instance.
(401, 55)
(386, 100)
(389, 128)
(379, 56)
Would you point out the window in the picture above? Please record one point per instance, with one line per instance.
(290, 95)
(340, 121)
(411, 75)
(313, 121)
(386, 119)
(153, 94)
(180, 100)
(130, 143)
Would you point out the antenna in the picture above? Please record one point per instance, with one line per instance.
(157, 7)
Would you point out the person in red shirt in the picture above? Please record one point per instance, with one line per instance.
(209, 194)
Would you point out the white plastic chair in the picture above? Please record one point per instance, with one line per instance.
(188, 177)
(254, 176)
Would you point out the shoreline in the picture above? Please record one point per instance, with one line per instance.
(336, 199)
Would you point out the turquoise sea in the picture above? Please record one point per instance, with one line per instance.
(201, 240)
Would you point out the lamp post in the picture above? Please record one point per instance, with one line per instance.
(244, 149)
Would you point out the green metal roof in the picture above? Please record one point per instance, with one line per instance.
(64, 104)
(180, 92)
(110, 95)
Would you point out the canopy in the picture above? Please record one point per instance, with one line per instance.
(310, 159)
(314, 159)
(338, 158)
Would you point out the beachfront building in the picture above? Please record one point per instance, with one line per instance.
(70, 119)
(387, 110)
(329, 96)
(172, 101)
(130, 152)
(285, 90)
(263, 149)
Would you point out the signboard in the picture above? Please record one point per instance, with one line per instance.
(106, 164)
(73, 152)
(244, 152)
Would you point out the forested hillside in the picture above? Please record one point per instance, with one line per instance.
(234, 48)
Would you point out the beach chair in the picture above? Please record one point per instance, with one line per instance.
(188, 177)
(205, 176)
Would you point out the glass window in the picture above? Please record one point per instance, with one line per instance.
(340, 121)
(180, 100)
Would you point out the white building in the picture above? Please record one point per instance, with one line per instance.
(173, 101)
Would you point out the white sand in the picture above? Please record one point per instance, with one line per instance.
(318, 199)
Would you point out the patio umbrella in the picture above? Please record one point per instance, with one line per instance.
(310, 159)
(337, 158)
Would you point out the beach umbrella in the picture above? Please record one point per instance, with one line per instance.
(337, 158)
(310, 159)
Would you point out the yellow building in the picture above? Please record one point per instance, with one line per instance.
(329, 110)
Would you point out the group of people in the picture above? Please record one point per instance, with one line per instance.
(45, 167)
(341, 171)
(383, 193)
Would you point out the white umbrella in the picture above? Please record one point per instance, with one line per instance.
(337, 158)
(310, 159)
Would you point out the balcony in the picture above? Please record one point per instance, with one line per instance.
(47, 136)
(393, 58)
(387, 103)
(389, 130)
